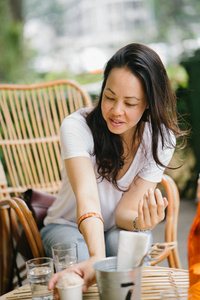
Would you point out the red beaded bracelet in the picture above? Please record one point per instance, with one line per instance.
(88, 215)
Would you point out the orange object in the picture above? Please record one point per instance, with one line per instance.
(198, 189)
(88, 215)
(194, 249)
(194, 290)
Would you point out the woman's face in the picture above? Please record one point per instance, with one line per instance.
(123, 102)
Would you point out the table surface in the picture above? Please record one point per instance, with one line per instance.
(154, 281)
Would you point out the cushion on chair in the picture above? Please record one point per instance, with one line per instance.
(38, 202)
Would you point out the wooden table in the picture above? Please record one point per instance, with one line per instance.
(154, 281)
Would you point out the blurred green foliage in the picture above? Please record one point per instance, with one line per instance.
(192, 65)
(11, 46)
(83, 78)
(15, 54)
(188, 107)
(177, 75)
(176, 19)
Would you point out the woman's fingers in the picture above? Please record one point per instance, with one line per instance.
(146, 211)
(160, 205)
(165, 202)
(54, 278)
(151, 209)
(140, 213)
(56, 295)
(144, 219)
(53, 281)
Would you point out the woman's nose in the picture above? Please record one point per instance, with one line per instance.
(117, 108)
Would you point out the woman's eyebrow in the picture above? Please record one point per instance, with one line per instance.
(110, 91)
(126, 97)
(132, 97)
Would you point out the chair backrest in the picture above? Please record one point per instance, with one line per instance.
(13, 212)
(169, 249)
(30, 118)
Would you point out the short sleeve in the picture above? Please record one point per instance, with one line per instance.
(151, 171)
(76, 137)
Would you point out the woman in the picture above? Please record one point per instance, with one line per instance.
(113, 157)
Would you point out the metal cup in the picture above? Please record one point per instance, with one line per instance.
(117, 285)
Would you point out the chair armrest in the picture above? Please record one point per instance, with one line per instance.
(160, 252)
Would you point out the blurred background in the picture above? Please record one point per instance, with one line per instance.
(73, 39)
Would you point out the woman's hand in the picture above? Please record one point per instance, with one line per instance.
(84, 269)
(151, 209)
(144, 201)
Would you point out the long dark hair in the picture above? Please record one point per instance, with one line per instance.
(144, 63)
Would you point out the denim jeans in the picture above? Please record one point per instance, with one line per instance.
(57, 233)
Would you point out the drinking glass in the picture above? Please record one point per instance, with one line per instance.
(65, 255)
(39, 271)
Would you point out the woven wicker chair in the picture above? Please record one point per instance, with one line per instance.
(30, 119)
(169, 249)
(13, 212)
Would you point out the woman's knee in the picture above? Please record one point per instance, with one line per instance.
(111, 241)
(58, 233)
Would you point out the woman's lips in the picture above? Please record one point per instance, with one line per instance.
(116, 123)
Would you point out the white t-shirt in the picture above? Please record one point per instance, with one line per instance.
(77, 140)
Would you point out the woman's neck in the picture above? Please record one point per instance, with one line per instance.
(130, 147)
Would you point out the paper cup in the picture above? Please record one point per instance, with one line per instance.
(69, 286)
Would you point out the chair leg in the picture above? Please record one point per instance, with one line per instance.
(6, 256)
(171, 261)
(176, 258)
(27, 213)
(12, 219)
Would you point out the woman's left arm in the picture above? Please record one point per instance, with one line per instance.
(144, 201)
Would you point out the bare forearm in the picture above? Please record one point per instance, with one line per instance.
(124, 219)
(93, 231)
(92, 227)
(151, 211)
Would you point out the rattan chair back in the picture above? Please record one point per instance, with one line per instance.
(169, 249)
(30, 118)
(14, 215)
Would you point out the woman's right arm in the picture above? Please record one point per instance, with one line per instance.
(83, 182)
